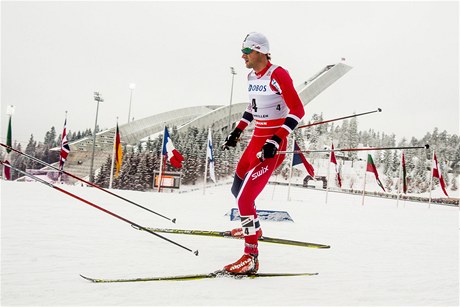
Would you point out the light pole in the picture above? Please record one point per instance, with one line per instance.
(132, 86)
(98, 99)
(232, 70)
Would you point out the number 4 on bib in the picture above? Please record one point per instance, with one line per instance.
(248, 225)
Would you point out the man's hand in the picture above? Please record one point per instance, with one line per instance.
(269, 149)
(231, 139)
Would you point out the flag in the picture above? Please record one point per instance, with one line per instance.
(334, 161)
(300, 158)
(210, 157)
(118, 152)
(65, 148)
(6, 169)
(8, 136)
(404, 180)
(170, 152)
(437, 174)
(371, 168)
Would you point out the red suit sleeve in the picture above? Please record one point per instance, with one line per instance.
(290, 96)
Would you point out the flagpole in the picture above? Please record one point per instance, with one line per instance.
(61, 163)
(161, 161)
(328, 175)
(206, 163)
(431, 180)
(400, 180)
(274, 187)
(364, 186)
(113, 156)
(205, 172)
(291, 169)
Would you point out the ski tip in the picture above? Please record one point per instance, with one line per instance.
(87, 278)
(136, 227)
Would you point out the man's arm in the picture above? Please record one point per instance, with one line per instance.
(232, 139)
(282, 82)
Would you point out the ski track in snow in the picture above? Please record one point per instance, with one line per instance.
(381, 254)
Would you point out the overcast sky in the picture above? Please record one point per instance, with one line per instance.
(54, 55)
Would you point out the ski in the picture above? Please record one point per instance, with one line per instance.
(217, 274)
(227, 234)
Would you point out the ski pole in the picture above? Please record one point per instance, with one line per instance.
(335, 119)
(97, 207)
(351, 149)
(87, 182)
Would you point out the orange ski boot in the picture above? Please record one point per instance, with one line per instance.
(248, 264)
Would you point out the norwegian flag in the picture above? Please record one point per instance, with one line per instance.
(65, 148)
(334, 161)
(437, 174)
(169, 151)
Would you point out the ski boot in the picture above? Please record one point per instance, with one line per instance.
(248, 264)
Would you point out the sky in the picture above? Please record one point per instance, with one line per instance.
(54, 55)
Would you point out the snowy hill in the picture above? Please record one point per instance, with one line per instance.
(381, 253)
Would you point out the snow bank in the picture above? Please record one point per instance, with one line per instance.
(381, 254)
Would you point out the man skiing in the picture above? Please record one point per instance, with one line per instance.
(276, 108)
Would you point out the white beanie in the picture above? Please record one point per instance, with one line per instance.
(257, 41)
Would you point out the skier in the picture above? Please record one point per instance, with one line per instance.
(276, 109)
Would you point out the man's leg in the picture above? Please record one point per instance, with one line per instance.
(253, 183)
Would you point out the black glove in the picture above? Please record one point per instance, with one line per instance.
(270, 148)
(232, 139)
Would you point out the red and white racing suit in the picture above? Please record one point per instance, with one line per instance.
(276, 108)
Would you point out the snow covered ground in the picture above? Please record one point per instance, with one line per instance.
(381, 253)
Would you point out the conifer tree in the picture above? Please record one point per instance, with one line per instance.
(420, 181)
(31, 150)
(395, 163)
(388, 182)
(103, 177)
(142, 174)
(50, 138)
(352, 138)
(454, 186)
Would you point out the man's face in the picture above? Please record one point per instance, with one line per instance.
(253, 59)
